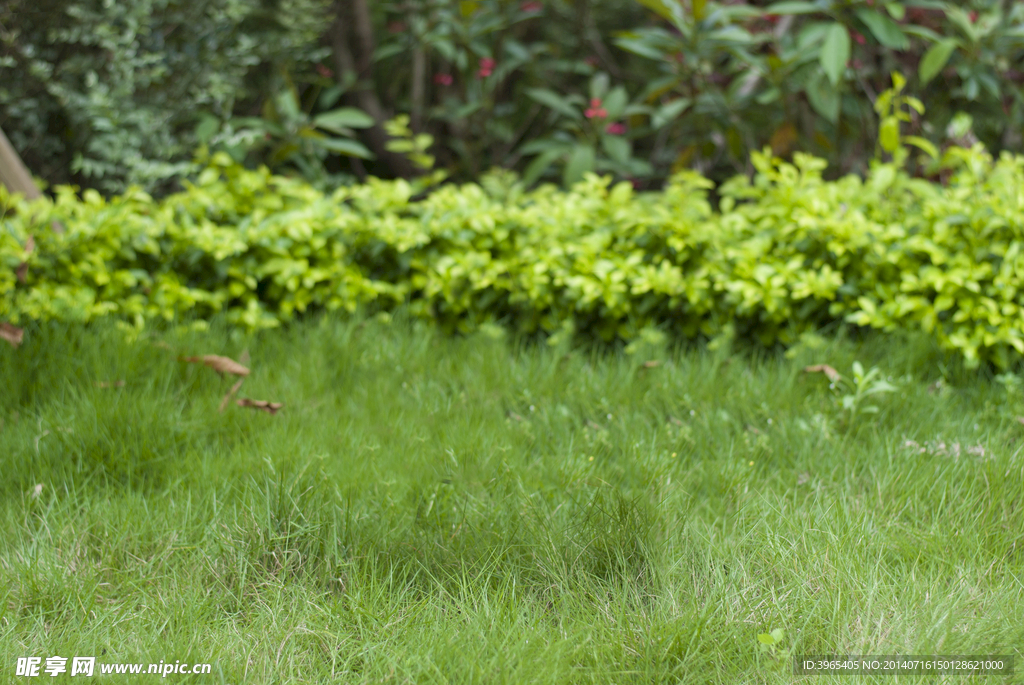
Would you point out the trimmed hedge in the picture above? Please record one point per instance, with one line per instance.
(787, 252)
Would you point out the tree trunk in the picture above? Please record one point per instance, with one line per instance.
(355, 15)
(13, 173)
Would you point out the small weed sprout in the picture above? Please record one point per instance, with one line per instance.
(853, 394)
(770, 644)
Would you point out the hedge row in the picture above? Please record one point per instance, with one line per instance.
(785, 252)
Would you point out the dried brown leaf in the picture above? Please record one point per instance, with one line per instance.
(219, 364)
(231, 393)
(652, 363)
(11, 334)
(832, 374)
(109, 384)
(263, 405)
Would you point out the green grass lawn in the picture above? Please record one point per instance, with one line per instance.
(436, 510)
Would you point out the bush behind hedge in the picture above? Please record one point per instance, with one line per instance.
(786, 252)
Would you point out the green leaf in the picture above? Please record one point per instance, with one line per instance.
(896, 10)
(658, 7)
(580, 161)
(884, 29)
(616, 101)
(540, 164)
(935, 59)
(640, 46)
(344, 117)
(208, 126)
(835, 52)
(331, 95)
(898, 81)
(617, 147)
(889, 134)
(554, 101)
(344, 146)
(924, 144)
(288, 104)
(599, 85)
(960, 124)
(792, 8)
(669, 111)
(824, 98)
(921, 32)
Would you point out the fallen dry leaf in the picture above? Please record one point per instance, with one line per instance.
(832, 374)
(231, 393)
(11, 334)
(219, 364)
(263, 405)
(1021, 419)
(109, 384)
(651, 364)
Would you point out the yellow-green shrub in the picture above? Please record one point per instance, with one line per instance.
(786, 252)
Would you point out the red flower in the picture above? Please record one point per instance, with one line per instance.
(616, 129)
(600, 113)
(531, 6)
(324, 71)
(973, 16)
(773, 18)
(486, 67)
(859, 38)
(443, 79)
(595, 102)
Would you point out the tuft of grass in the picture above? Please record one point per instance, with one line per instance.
(434, 509)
